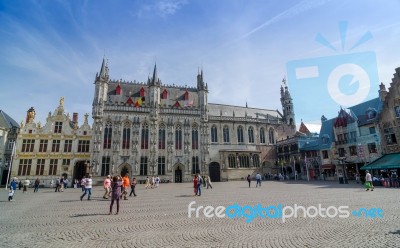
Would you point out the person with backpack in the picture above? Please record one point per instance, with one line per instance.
(249, 179)
(258, 179)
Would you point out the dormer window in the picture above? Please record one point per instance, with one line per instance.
(118, 90)
(164, 94)
(141, 92)
(186, 96)
(58, 127)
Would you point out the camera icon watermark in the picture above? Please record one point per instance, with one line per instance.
(346, 79)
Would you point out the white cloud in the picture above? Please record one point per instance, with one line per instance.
(161, 8)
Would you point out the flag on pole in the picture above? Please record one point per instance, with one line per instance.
(139, 102)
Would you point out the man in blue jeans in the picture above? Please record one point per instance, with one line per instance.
(258, 179)
(199, 183)
(88, 187)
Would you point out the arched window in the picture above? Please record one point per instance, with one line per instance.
(195, 137)
(256, 160)
(161, 137)
(251, 135)
(262, 135)
(145, 136)
(271, 136)
(240, 134)
(244, 161)
(126, 136)
(214, 137)
(232, 161)
(107, 136)
(178, 137)
(161, 165)
(226, 134)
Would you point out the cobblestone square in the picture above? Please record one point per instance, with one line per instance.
(159, 217)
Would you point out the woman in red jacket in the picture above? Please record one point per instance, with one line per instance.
(195, 185)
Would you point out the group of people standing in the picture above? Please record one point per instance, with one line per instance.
(198, 181)
(152, 182)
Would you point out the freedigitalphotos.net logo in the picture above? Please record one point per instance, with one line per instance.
(343, 79)
(249, 213)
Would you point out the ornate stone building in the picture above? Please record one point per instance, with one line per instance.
(8, 135)
(151, 128)
(59, 148)
(390, 116)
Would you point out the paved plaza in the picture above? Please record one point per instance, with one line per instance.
(159, 218)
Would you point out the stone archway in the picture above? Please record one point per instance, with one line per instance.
(178, 173)
(124, 169)
(80, 169)
(214, 172)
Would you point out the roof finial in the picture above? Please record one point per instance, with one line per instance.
(284, 80)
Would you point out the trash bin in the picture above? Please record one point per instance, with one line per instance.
(341, 181)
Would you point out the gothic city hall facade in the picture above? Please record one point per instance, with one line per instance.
(150, 128)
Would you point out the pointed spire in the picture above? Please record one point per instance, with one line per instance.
(155, 77)
(103, 70)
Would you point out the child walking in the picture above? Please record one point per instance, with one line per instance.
(10, 195)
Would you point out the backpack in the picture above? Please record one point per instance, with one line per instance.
(200, 180)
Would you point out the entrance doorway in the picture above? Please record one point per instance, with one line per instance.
(80, 170)
(178, 175)
(215, 172)
(124, 171)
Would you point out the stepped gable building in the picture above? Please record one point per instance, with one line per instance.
(152, 128)
(59, 148)
(8, 134)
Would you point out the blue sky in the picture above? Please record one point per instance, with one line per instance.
(50, 49)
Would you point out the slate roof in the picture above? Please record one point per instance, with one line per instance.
(326, 134)
(360, 110)
(6, 121)
(228, 110)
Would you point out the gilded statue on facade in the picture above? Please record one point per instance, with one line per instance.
(62, 101)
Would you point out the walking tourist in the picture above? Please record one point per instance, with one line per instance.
(107, 187)
(115, 192)
(133, 185)
(249, 179)
(368, 181)
(125, 186)
(83, 183)
(88, 187)
(157, 181)
(37, 183)
(26, 185)
(147, 183)
(258, 179)
(195, 179)
(208, 181)
(10, 194)
(199, 183)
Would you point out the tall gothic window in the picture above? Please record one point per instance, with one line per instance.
(195, 138)
(240, 134)
(232, 161)
(226, 134)
(105, 166)
(107, 136)
(195, 165)
(256, 160)
(143, 166)
(161, 137)
(178, 137)
(161, 165)
(262, 135)
(145, 136)
(271, 136)
(126, 136)
(251, 135)
(214, 134)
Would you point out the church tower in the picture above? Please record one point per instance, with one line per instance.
(154, 89)
(101, 89)
(202, 90)
(287, 105)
